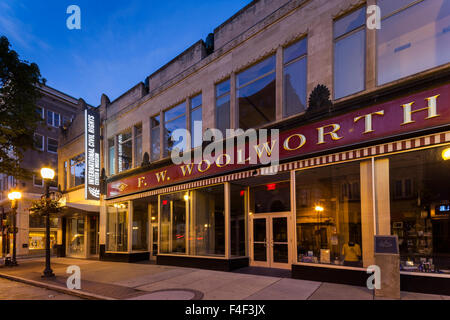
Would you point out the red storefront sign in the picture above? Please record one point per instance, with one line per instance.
(425, 110)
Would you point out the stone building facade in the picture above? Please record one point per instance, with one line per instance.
(354, 105)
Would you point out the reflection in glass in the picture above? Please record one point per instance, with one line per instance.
(196, 121)
(125, 151)
(173, 223)
(117, 228)
(420, 209)
(207, 222)
(328, 214)
(223, 106)
(140, 225)
(77, 171)
(237, 219)
(272, 197)
(174, 119)
(256, 95)
(415, 39)
(155, 135)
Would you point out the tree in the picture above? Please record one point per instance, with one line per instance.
(19, 91)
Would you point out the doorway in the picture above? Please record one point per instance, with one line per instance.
(269, 238)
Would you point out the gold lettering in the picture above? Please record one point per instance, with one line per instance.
(333, 134)
(200, 166)
(302, 142)
(268, 149)
(432, 110)
(161, 176)
(187, 169)
(219, 163)
(141, 182)
(368, 120)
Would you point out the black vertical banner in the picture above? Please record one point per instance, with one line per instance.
(92, 154)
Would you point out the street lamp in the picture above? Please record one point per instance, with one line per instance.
(47, 174)
(14, 197)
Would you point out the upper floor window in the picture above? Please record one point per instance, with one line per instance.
(124, 151)
(223, 106)
(39, 141)
(53, 119)
(196, 121)
(174, 118)
(294, 59)
(155, 138)
(77, 171)
(37, 181)
(40, 112)
(112, 156)
(256, 94)
(138, 145)
(349, 53)
(52, 145)
(415, 36)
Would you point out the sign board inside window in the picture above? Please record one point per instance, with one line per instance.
(92, 147)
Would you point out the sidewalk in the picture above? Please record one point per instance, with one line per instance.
(108, 280)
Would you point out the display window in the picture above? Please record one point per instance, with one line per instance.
(36, 240)
(328, 215)
(117, 228)
(420, 209)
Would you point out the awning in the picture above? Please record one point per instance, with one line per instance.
(83, 207)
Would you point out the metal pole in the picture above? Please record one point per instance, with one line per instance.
(14, 213)
(48, 272)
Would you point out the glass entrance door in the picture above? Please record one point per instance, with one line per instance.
(76, 237)
(270, 241)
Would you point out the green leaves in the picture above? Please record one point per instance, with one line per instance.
(19, 91)
(44, 206)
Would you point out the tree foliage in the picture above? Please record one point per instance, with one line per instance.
(19, 91)
(43, 206)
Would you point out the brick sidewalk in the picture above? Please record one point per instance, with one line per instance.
(147, 282)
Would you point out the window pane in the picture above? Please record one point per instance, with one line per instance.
(388, 6)
(179, 123)
(56, 119)
(117, 228)
(124, 152)
(328, 217)
(196, 120)
(257, 103)
(350, 22)
(155, 122)
(349, 61)
(237, 220)
(52, 145)
(175, 112)
(273, 197)
(140, 226)
(77, 171)
(112, 157)
(38, 142)
(207, 222)
(256, 71)
(196, 101)
(294, 51)
(414, 40)
(173, 223)
(223, 114)
(222, 88)
(138, 151)
(295, 87)
(49, 118)
(155, 153)
(420, 209)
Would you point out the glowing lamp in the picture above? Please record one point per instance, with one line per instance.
(15, 195)
(446, 154)
(271, 187)
(319, 209)
(47, 173)
(186, 197)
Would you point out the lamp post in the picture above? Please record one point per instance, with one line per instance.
(14, 197)
(48, 175)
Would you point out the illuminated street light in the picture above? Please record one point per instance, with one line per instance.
(47, 174)
(14, 196)
(446, 154)
(319, 209)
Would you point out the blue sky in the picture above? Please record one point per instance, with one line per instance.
(119, 44)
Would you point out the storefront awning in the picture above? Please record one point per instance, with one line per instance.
(82, 206)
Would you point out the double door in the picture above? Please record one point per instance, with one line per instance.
(270, 241)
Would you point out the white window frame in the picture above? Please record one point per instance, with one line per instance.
(54, 152)
(42, 139)
(53, 118)
(38, 185)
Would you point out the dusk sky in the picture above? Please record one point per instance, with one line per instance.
(120, 42)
